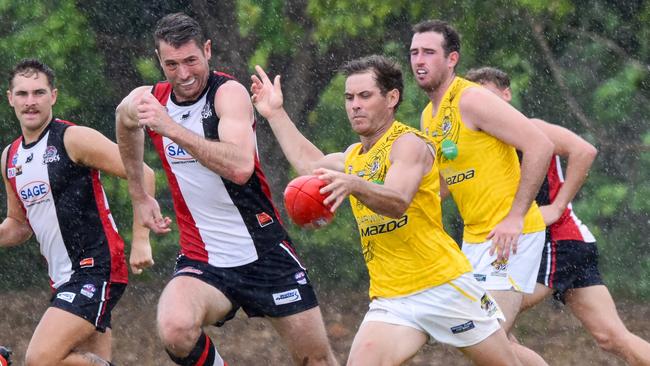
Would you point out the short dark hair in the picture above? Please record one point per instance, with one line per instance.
(177, 29)
(449, 34)
(28, 67)
(388, 74)
(489, 75)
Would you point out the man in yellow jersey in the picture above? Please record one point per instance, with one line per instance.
(475, 135)
(421, 285)
(569, 267)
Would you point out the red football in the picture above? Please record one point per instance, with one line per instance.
(304, 202)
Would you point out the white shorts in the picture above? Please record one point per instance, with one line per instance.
(519, 273)
(459, 313)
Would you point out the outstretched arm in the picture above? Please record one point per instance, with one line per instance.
(510, 126)
(301, 153)
(579, 153)
(411, 159)
(14, 229)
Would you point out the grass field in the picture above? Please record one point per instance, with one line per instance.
(549, 329)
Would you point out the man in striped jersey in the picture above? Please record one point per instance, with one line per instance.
(234, 251)
(51, 174)
(569, 266)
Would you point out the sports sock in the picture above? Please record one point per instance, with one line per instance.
(204, 353)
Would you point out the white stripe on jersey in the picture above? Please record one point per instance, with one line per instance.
(217, 218)
(35, 192)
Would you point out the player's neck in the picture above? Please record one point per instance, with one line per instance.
(437, 93)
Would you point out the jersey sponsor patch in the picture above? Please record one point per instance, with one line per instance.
(480, 277)
(264, 219)
(87, 262)
(34, 191)
(66, 296)
(463, 327)
(287, 297)
(176, 152)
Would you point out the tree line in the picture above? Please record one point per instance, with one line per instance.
(581, 64)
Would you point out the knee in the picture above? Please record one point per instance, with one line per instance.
(365, 353)
(178, 333)
(610, 341)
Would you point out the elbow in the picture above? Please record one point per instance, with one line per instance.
(591, 152)
(398, 209)
(241, 174)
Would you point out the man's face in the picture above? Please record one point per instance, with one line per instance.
(32, 99)
(428, 61)
(366, 107)
(186, 68)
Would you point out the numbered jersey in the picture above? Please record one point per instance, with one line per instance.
(66, 207)
(222, 223)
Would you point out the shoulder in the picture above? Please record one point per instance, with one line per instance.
(472, 95)
(231, 88)
(79, 139)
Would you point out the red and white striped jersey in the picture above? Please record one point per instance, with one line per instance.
(66, 207)
(220, 222)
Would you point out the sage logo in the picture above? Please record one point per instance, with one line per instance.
(175, 152)
(460, 177)
(34, 191)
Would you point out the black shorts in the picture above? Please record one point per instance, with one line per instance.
(89, 297)
(569, 264)
(275, 285)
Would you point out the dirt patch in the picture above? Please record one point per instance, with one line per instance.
(549, 329)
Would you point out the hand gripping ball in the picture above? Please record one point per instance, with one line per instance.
(304, 202)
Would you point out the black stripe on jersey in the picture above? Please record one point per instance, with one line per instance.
(76, 208)
(249, 198)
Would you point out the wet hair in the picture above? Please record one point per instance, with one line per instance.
(388, 74)
(177, 29)
(489, 75)
(31, 66)
(451, 37)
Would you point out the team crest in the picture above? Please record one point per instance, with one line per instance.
(374, 167)
(206, 112)
(446, 125)
(51, 155)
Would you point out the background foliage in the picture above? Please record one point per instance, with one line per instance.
(581, 64)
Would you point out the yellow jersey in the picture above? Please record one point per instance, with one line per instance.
(484, 177)
(411, 253)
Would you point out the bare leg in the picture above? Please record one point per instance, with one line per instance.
(57, 336)
(596, 310)
(305, 336)
(384, 344)
(510, 303)
(541, 292)
(494, 350)
(185, 306)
